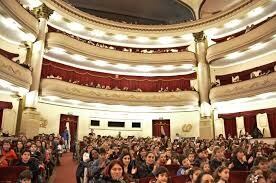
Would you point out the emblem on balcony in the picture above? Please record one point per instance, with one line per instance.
(187, 127)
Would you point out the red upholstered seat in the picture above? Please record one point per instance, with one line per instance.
(238, 176)
(180, 179)
(172, 169)
(145, 180)
(11, 173)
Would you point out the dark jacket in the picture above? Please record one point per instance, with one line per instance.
(239, 166)
(214, 164)
(33, 165)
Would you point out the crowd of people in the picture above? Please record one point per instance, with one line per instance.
(110, 159)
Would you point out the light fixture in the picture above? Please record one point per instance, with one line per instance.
(78, 57)
(165, 40)
(120, 37)
(212, 31)
(30, 37)
(234, 55)
(266, 95)
(187, 37)
(74, 101)
(34, 3)
(122, 66)
(187, 66)
(97, 33)
(57, 50)
(142, 39)
(56, 17)
(75, 26)
(144, 68)
(11, 23)
(51, 98)
(255, 12)
(167, 67)
(257, 46)
(100, 63)
(232, 23)
(205, 109)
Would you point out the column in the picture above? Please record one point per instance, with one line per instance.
(204, 85)
(31, 118)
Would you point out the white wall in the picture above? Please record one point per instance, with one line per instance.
(177, 120)
(9, 115)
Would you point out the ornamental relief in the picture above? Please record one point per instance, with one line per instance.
(69, 90)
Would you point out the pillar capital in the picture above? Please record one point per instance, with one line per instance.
(199, 36)
(42, 11)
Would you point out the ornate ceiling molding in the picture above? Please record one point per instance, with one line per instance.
(114, 56)
(249, 88)
(62, 89)
(88, 20)
(18, 13)
(242, 42)
(14, 73)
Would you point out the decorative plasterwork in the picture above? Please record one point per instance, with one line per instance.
(93, 52)
(62, 89)
(242, 42)
(244, 89)
(14, 73)
(22, 16)
(177, 29)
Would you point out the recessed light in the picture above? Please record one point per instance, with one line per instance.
(78, 57)
(165, 40)
(142, 39)
(57, 50)
(97, 33)
(255, 12)
(75, 26)
(232, 23)
(120, 37)
(234, 55)
(144, 68)
(56, 17)
(257, 46)
(122, 66)
(167, 67)
(100, 63)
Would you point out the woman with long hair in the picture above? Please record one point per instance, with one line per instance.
(221, 174)
(129, 165)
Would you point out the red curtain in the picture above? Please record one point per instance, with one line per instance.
(250, 122)
(230, 126)
(272, 123)
(1, 117)
(157, 126)
(73, 125)
(147, 84)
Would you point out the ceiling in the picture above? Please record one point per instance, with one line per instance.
(147, 12)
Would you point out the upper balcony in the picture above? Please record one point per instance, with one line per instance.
(65, 90)
(244, 89)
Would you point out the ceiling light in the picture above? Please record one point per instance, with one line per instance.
(144, 68)
(257, 46)
(142, 39)
(97, 33)
(266, 95)
(120, 37)
(234, 55)
(100, 63)
(11, 23)
(56, 17)
(165, 40)
(187, 66)
(122, 66)
(78, 57)
(167, 67)
(187, 37)
(232, 23)
(255, 12)
(57, 50)
(75, 26)
(212, 31)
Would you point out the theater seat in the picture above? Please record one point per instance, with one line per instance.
(145, 180)
(172, 169)
(180, 179)
(11, 173)
(238, 176)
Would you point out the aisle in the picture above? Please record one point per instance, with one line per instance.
(66, 171)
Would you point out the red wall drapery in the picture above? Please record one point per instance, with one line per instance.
(147, 84)
(230, 126)
(1, 117)
(156, 127)
(5, 105)
(250, 122)
(272, 123)
(73, 125)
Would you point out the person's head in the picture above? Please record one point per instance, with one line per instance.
(25, 176)
(161, 174)
(239, 153)
(19, 144)
(150, 158)
(200, 153)
(95, 154)
(33, 148)
(194, 173)
(143, 152)
(102, 154)
(6, 145)
(191, 157)
(255, 179)
(205, 167)
(89, 148)
(273, 172)
(255, 170)
(222, 173)
(125, 158)
(26, 155)
(218, 153)
(205, 178)
(162, 158)
(262, 163)
(186, 163)
(115, 170)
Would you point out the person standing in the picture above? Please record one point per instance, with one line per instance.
(65, 136)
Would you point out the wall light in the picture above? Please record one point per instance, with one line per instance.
(144, 68)
(257, 46)
(97, 33)
(56, 17)
(255, 12)
(167, 67)
(122, 66)
(78, 57)
(100, 63)
(120, 37)
(165, 40)
(58, 51)
(234, 55)
(75, 26)
(187, 66)
(142, 39)
(232, 23)
(187, 37)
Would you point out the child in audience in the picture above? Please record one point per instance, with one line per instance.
(184, 168)
(194, 173)
(205, 167)
(204, 178)
(25, 177)
(221, 174)
(161, 175)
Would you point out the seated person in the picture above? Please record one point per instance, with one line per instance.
(161, 175)
(7, 153)
(184, 168)
(35, 153)
(25, 177)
